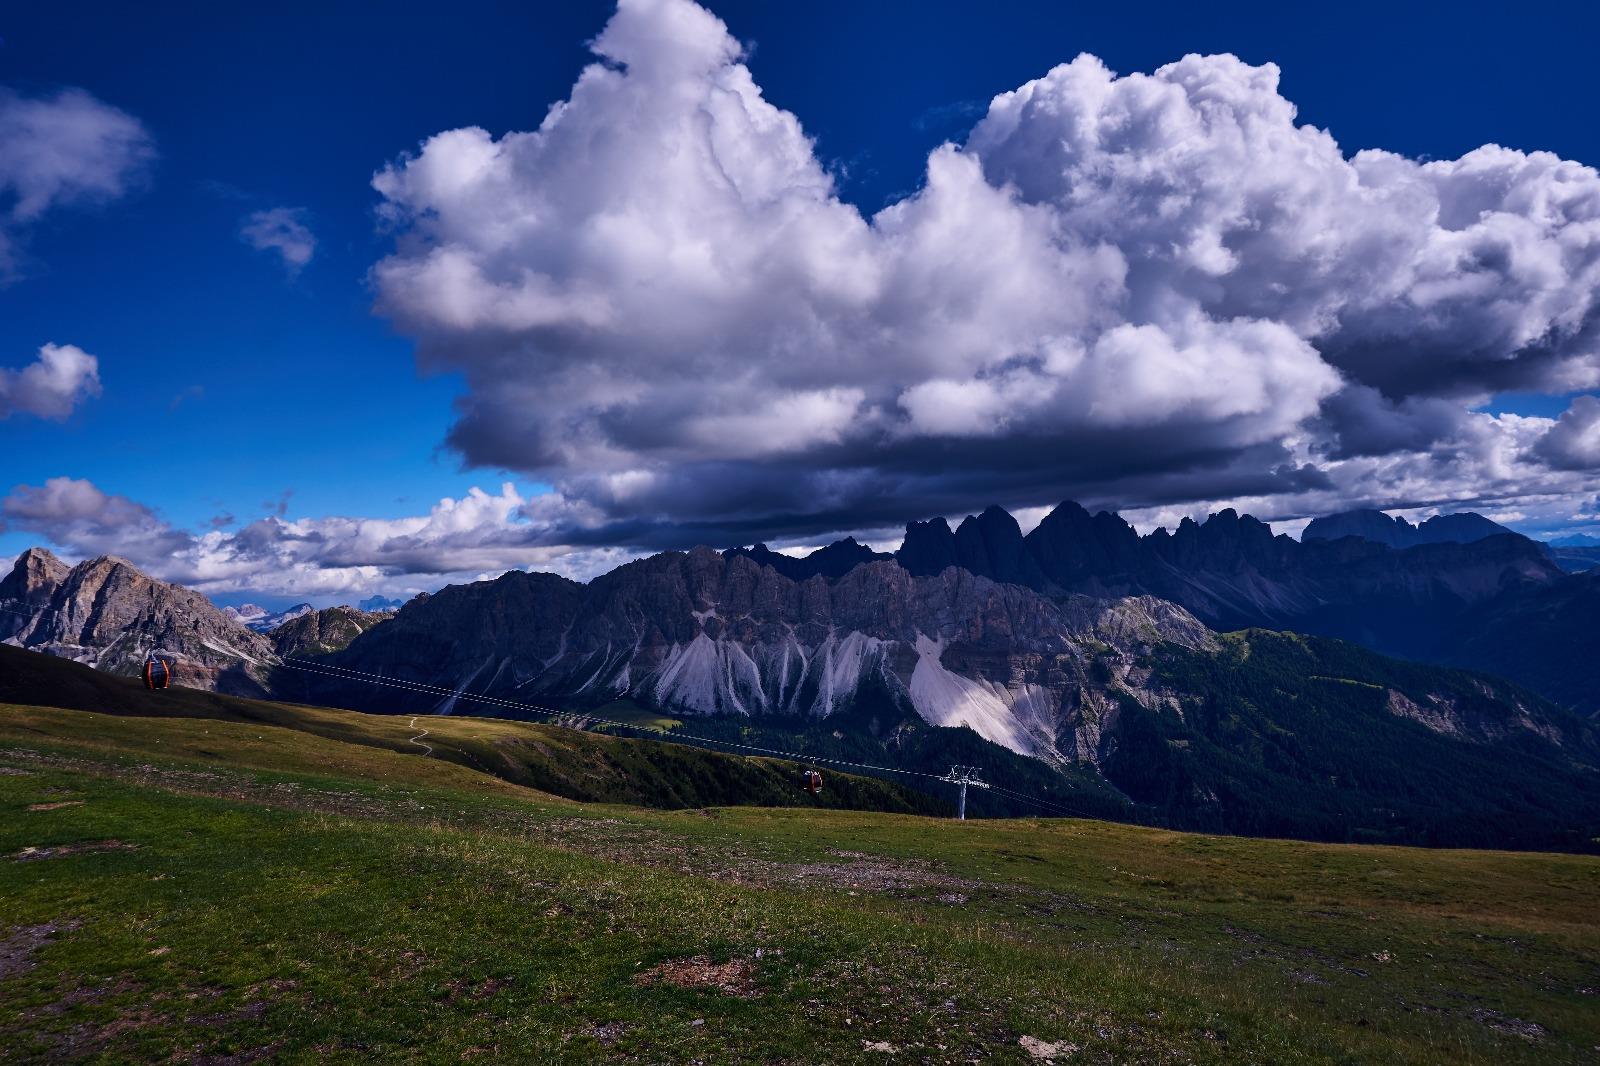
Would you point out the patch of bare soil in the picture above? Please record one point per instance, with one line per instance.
(608, 1034)
(736, 977)
(461, 989)
(83, 1040)
(250, 1011)
(54, 806)
(90, 993)
(56, 851)
(12, 771)
(237, 1058)
(18, 947)
(867, 873)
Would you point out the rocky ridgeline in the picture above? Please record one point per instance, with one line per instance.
(1031, 640)
(705, 632)
(322, 632)
(1231, 571)
(105, 613)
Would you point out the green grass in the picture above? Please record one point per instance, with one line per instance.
(563, 761)
(276, 893)
(630, 713)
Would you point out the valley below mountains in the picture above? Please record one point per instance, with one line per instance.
(1214, 677)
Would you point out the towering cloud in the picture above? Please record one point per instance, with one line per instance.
(1141, 289)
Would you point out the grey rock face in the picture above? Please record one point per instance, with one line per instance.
(706, 633)
(34, 576)
(105, 613)
(320, 632)
(1231, 572)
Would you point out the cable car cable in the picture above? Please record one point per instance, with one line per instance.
(344, 673)
(348, 674)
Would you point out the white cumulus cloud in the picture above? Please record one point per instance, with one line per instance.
(328, 558)
(660, 282)
(62, 149)
(282, 231)
(62, 376)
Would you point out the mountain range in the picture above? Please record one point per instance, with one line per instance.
(1139, 674)
(1380, 528)
(262, 620)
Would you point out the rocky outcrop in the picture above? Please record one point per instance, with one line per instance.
(928, 548)
(105, 613)
(833, 561)
(1380, 528)
(1232, 572)
(708, 633)
(320, 632)
(34, 576)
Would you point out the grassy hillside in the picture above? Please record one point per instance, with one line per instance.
(210, 890)
(1282, 734)
(558, 760)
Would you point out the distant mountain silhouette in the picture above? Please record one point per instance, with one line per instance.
(1462, 528)
(1361, 576)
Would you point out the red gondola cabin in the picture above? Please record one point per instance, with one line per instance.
(157, 672)
(811, 781)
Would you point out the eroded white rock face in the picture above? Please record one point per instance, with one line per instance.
(699, 633)
(945, 698)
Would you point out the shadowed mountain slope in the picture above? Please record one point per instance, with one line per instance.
(565, 762)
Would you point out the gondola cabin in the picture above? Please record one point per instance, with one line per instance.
(811, 781)
(157, 672)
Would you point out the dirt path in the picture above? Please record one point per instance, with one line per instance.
(417, 740)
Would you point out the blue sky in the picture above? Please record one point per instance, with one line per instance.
(228, 379)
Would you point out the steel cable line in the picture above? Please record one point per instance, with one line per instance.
(345, 673)
(348, 674)
(1050, 805)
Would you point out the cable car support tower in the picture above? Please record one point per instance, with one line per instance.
(961, 777)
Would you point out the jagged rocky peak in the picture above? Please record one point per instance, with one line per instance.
(35, 574)
(1075, 549)
(320, 632)
(107, 613)
(1224, 541)
(1465, 527)
(990, 543)
(830, 561)
(928, 547)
